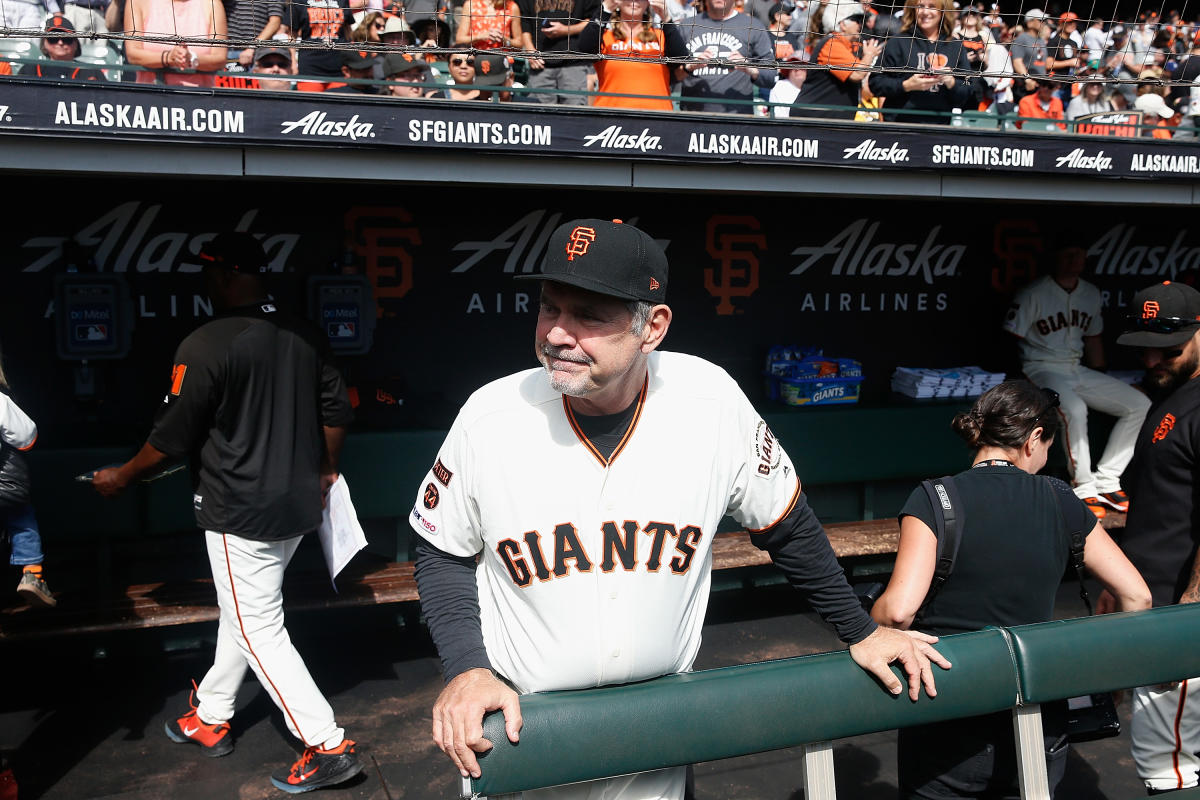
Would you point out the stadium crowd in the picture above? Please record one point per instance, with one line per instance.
(922, 61)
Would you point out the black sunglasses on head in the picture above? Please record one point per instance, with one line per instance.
(1159, 324)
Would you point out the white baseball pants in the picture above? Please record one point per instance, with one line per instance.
(248, 576)
(1079, 389)
(1164, 735)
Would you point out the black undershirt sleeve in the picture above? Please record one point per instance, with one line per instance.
(799, 547)
(450, 602)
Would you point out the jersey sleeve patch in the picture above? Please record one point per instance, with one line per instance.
(442, 474)
(767, 454)
(177, 373)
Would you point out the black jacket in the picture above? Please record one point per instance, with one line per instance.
(908, 53)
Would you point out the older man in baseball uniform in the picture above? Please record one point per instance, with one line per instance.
(1057, 318)
(567, 523)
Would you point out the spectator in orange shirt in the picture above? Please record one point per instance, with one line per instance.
(488, 24)
(1042, 104)
(848, 58)
(626, 31)
(1159, 118)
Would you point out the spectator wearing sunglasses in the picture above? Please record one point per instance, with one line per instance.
(250, 21)
(60, 52)
(1163, 527)
(273, 69)
(1057, 319)
(1007, 571)
(405, 74)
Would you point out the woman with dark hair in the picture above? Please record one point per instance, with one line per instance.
(1014, 547)
(924, 68)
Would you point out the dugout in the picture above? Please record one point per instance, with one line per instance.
(906, 260)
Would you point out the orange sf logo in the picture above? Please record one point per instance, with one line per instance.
(1164, 427)
(486, 67)
(579, 241)
(1150, 311)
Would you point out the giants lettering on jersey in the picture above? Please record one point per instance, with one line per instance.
(1056, 322)
(536, 556)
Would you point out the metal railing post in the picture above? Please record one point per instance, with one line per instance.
(1031, 753)
(818, 771)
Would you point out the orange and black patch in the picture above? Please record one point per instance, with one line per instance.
(431, 497)
(1164, 427)
(441, 473)
(177, 373)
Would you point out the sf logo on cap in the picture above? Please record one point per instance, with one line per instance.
(580, 239)
(1150, 309)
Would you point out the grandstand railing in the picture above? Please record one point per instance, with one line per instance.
(707, 715)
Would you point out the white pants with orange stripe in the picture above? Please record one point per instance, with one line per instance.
(1164, 735)
(1079, 389)
(248, 576)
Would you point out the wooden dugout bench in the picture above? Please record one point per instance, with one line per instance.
(139, 562)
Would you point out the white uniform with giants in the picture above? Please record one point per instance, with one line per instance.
(603, 576)
(1051, 323)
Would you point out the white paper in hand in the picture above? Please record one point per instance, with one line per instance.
(341, 535)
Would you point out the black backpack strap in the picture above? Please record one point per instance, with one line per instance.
(948, 518)
(1076, 539)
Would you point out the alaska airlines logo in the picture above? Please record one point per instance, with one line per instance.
(546, 557)
(317, 124)
(580, 240)
(1077, 160)
(614, 138)
(869, 150)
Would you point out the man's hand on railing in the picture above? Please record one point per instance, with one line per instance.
(911, 648)
(458, 717)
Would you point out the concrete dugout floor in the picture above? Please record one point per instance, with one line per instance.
(78, 723)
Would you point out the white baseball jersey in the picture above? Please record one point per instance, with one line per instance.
(16, 428)
(597, 571)
(1052, 321)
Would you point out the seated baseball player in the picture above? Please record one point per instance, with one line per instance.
(1057, 319)
(567, 523)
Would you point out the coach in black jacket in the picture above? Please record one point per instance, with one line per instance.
(924, 68)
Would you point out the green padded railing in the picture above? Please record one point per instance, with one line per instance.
(722, 713)
(1101, 654)
(733, 711)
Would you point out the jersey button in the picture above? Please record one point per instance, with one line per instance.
(616, 653)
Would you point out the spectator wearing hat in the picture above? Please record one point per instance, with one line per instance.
(974, 35)
(488, 24)
(731, 54)
(60, 54)
(369, 28)
(322, 22)
(844, 61)
(994, 22)
(494, 76)
(1091, 99)
(272, 69)
(405, 73)
(1184, 96)
(360, 67)
(1064, 55)
(792, 77)
(1121, 63)
(625, 35)
(925, 68)
(1159, 119)
(1042, 104)
(397, 33)
(1029, 53)
(250, 21)
(175, 64)
(785, 39)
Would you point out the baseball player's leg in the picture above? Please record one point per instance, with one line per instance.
(1074, 410)
(248, 576)
(1164, 733)
(216, 696)
(1106, 393)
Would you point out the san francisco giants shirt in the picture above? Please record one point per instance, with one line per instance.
(596, 570)
(1052, 321)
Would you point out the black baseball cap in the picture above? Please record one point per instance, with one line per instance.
(235, 251)
(608, 257)
(1164, 315)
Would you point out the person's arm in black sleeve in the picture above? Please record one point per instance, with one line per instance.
(799, 547)
(674, 45)
(888, 83)
(450, 603)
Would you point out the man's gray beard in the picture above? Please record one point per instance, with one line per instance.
(575, 387)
